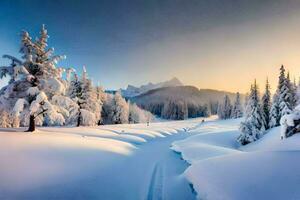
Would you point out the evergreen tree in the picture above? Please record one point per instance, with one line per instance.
(266, 105)
(89, 100)
(274, 112)
(292, 90)
(298, 93)
(36, 80)
(285, 95)
(253, 125)
(225, 109)
(237, 110)
(75, 92)
(120, 109)
(220, 111)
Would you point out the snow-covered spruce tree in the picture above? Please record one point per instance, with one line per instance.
(253, 126)
(237, 110)
(225, 109)
(220, 111)
(120, 109)
(90, 105)
(298, 92)
(88, 100)
(292, 88)
(274, 112)
(284, 94)
(35, 80)
(266, 105)
(100, 98)
(107, 109)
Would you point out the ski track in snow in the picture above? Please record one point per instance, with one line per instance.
(156, 184)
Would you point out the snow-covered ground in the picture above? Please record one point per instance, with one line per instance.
(221, 169)
(135, 162)
(106, 162)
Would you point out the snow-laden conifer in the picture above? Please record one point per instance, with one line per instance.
(266, 105)
(253, 125)
(237, 110)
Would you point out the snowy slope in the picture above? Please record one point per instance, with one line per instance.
(107, 162)
(266, 169)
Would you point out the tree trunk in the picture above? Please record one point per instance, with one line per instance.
(31, 123)
(78, 119)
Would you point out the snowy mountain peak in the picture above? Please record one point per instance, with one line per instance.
(132, 91)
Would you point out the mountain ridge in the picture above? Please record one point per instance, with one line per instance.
(132, 91)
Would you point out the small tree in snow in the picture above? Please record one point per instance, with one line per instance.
(284, 94)
(237, 110)
(274, 112)
(253, 125)
(120, 109)
(88, 99)
(266, 105)
(225, 108)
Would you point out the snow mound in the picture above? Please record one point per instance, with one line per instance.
(222, 170)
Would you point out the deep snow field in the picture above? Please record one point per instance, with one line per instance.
(136, 162)
(221, 169)
(107, 162)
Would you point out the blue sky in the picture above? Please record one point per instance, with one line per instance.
(133, 41)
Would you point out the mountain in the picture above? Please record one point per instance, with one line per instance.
(182, 93)
(200, 101)
(132, 91)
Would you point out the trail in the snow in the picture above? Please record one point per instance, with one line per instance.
(156, 184)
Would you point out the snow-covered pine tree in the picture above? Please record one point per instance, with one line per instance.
(89, 101)
(253, 125)
(35, 80)
(237, 110)
(107, 109)
(274, 112)
(225, 109)
(298, 92)
(120, 109)
(266, 105)
(284, 94)
(292, 89)
(220, 111)
(75, 93)
(100, 98)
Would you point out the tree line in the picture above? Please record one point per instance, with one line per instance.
(264, 113)
(41, 93)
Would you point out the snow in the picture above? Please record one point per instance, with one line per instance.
(32, 91)
(221, 169)
(134, 161)
(19, 106)
(128, 161)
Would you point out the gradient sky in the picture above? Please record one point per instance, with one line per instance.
(218, 44)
